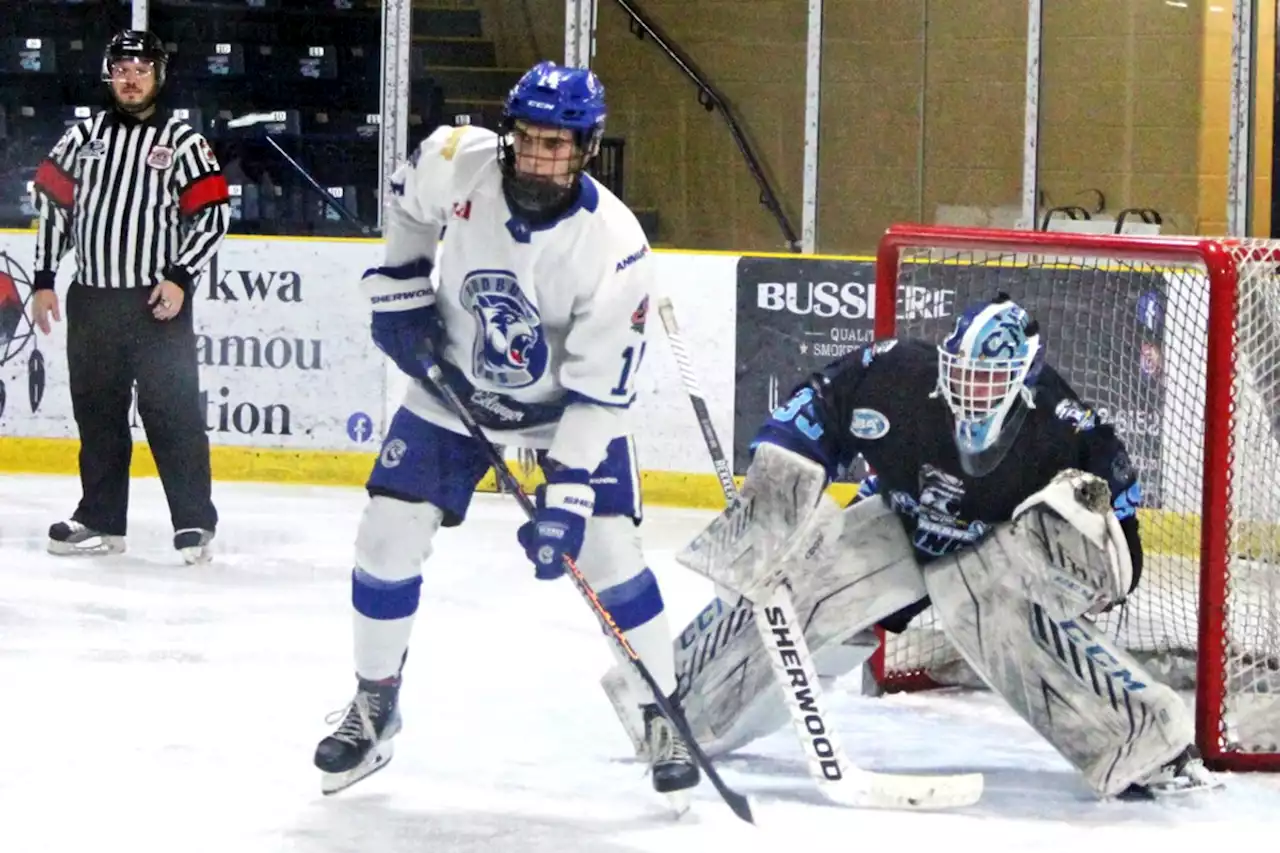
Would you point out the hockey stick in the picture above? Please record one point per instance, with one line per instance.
(325, 195)
(741, 807)
(253, 119)
(783, 636)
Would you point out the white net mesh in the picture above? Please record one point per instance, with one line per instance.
(1131, 338)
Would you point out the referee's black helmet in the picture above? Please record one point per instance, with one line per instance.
(136, 44)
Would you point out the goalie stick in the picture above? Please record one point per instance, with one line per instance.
(737, 802)
(783, 637)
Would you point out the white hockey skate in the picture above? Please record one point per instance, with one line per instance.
(1183, 775)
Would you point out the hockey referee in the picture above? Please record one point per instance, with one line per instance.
(139, 197)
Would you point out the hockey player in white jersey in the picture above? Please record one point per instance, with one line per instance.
(538, 318)
(999, 497)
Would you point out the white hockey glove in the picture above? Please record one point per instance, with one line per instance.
(1072, 546)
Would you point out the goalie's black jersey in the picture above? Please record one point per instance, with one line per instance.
(878, 401)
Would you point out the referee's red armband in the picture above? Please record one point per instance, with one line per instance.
(54, 182)
(203, 192)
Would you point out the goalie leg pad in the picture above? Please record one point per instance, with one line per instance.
(1090, 699)
(392, 543)
(841, 587)
(739, 550)
(1074, 555)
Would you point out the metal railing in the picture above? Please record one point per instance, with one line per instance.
(608, 164)
(642, 25)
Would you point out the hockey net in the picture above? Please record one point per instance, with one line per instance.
(1178, 339)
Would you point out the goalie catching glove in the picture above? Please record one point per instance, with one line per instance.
(1077, 559)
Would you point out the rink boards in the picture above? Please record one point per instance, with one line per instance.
(295, 392)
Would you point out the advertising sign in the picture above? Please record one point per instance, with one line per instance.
(282, 341)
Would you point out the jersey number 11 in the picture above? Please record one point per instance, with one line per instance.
(630, 366)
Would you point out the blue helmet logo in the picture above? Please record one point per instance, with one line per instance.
(557, 96)
(556, 99)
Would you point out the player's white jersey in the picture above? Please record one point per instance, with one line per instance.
(533, 315)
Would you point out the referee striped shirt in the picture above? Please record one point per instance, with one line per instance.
(139, 201)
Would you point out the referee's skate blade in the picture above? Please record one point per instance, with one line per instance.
(378, 758)
(96, 547)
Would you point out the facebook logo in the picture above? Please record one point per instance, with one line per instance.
(360, 427)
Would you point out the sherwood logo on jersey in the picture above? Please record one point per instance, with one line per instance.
(852, 300)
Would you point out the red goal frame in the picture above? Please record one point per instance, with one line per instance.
(1214, 254)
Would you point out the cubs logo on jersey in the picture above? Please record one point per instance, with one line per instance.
(510, 347)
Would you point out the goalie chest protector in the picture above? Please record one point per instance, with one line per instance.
(880, 401)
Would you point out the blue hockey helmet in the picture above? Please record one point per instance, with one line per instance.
(537, 177)
(987, 368)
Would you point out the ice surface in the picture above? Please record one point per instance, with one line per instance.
(149, 706)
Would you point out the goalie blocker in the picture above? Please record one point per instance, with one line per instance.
(1002, 497)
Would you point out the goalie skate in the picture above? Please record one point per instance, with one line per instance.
(361, 745)
(1186, 774)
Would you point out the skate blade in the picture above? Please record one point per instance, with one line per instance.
(679, 802)
(378, 758)
(1168, 792)
(197, 556)
(1174, 793)
(100, 546)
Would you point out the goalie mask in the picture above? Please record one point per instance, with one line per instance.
(987, 368)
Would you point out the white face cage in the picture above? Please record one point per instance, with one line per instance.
(981, 392)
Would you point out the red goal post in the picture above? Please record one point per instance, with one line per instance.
(1179, 340)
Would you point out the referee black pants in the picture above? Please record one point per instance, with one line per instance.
(113, 341)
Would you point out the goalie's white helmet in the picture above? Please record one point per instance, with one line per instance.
(986, 370)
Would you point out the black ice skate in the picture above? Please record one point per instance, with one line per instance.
(1182, 775)
(361, 745)
(193, 544)
(672, 767)
(68, 538)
